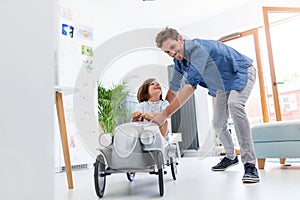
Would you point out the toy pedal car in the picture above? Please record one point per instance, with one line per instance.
(134, 147)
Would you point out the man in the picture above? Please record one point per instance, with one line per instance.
(228, 75)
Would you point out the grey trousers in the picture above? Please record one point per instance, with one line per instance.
(233, 102)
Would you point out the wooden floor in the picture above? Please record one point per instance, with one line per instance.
(195, 180)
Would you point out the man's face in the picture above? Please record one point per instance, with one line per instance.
(174, 48)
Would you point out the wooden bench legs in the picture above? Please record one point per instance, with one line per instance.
(261, 162)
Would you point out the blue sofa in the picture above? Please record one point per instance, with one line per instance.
(279, 139)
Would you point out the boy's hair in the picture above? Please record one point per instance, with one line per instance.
(143, 93)
(167, 33)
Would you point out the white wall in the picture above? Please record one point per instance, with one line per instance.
(27, 97)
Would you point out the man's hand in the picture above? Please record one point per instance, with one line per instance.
(159, 118)
(148, 116)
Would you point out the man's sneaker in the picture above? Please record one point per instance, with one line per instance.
(225, 163)
(251, 174)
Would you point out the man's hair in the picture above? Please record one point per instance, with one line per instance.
(143, 93)
(166, 33)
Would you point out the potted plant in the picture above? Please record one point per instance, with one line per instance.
(111, 106)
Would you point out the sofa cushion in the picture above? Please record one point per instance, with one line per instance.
(279, 131)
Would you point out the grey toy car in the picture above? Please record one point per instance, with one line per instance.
(134, 147)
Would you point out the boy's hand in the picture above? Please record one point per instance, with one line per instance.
(137, 116)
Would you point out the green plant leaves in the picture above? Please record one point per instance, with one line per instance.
(110, 105)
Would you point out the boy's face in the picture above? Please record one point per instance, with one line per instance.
(154, 88)
(174, 48)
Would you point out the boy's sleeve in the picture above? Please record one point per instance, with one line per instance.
(140, 107)
(164, 105)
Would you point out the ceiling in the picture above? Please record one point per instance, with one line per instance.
(117, 16)
(178, 13)
(183, 13)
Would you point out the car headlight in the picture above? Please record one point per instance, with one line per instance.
(147, 138)
(105, 139)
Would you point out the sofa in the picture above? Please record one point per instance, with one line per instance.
(279, 139)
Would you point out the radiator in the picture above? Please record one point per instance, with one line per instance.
(184, 121)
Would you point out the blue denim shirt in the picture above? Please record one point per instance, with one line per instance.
(212, 65)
